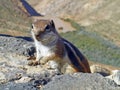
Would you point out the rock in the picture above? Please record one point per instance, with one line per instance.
(15, 74)
(115, 76)
(80, 81)
(16, 86)
(2, 76)
(18, 45)
(23, 80)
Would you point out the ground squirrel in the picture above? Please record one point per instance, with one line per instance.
(50, 46)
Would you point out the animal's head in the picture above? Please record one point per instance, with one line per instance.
(44, 31)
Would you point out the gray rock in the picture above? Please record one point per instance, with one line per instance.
(115, 76)
(80, 81)
(18, 45)
(17, 86)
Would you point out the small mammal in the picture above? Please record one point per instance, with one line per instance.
(50, 46)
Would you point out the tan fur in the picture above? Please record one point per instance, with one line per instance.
(100, 69)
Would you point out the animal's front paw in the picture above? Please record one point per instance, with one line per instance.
(31, 58)
(42, 62)
(33, 63)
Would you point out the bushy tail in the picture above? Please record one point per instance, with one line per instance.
(100, 69)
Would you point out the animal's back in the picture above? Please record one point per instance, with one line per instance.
(78, 60)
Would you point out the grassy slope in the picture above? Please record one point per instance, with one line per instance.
(107, 23)
(12, 21)
(95, 47)
(106, 29)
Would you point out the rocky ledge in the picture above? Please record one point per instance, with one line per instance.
(15, 74)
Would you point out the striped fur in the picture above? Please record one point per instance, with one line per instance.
(76, 57)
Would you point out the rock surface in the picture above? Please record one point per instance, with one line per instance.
(80, 81)
(18, 45)
(15, 74)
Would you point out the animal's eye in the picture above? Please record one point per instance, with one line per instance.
(47, 28)
(32, 26)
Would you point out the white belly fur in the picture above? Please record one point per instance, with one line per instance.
(41, 49)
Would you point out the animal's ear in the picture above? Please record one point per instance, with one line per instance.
(52, 23)
(35, 20)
